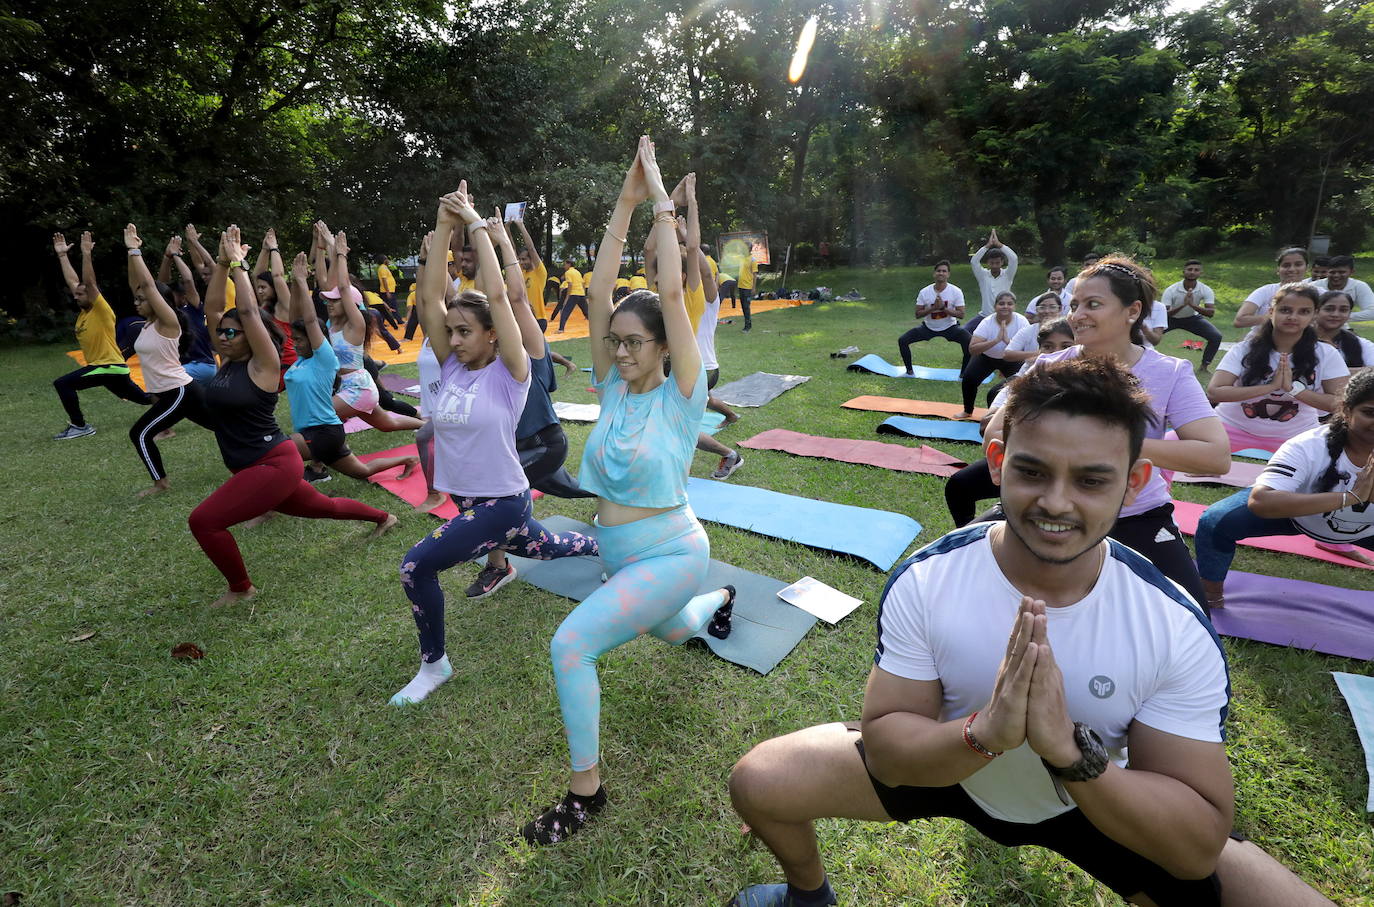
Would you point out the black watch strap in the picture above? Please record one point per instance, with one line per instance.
(1092, 761)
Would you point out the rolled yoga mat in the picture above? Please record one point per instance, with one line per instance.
(1301, 615)
(757, 389)
(880, 366)
(929, 428)
(923, 459)
(764, 628)
(877, 536)
(1358, 691)
(906, 407)
(1187, 514)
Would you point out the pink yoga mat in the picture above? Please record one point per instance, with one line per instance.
(866, 453)
(1289, 612)
(413, 490)
(1241, 475)
(1186, 514)
(354, 424)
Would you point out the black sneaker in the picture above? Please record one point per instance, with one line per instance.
(489, 580)
(316, 476)
(565, 818)
(74, 431)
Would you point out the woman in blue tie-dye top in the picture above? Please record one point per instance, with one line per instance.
(636, 460)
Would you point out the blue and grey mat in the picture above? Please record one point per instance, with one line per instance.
(1358, 691)
(878, 536)
(880, 366)
(931, 428)
(764, 629)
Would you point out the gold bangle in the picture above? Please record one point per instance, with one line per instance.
(514, 264)
(666, 217)
(622, 240)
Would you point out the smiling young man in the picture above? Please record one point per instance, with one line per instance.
(1098, 652)
(1190, 305)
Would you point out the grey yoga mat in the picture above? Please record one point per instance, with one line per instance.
(757, 389)
(765, 628)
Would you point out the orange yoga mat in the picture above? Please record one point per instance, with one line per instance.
(911, 407)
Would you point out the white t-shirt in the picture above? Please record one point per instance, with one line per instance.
(988, 329)
(706, 334)
(1298, 466)
(953, 298)
(1136, 648)
(428, 366)
(1158, 318)
(1263, 298)
(1064, 296)
(1366, 350)
(1277, 415)
(1360, 294)
(988, 286)
(1174, 295)
(1026, 340)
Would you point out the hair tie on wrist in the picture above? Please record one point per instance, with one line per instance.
(669, 205)
(477, 225)
(138, 252)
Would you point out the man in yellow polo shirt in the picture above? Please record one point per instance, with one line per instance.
(386, 286)
(536, 276)
(639, 281)
(745, 287)
(573, 294)
(95, 334)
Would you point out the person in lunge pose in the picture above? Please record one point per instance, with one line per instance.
(175, 395)
(988, 347)
(95, 334)
(1191, 305)
(1099, 652)
(242, 398)
(939, 306)
(636, 460)
(483, 382)
(1319, 484)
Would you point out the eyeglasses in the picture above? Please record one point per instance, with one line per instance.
(228, 333)
(613, 343)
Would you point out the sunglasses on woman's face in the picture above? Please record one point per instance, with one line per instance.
(228, 333)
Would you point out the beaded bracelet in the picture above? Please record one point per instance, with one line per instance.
(972, 741)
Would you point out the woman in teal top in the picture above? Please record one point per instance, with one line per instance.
(636, 461)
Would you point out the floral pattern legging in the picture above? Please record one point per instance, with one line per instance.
(656, 566)
(482, 524)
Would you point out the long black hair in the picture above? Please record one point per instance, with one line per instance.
(1345, 340)
(1304, 358)
(1359, 390)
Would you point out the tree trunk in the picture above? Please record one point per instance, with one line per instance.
(1054, 235)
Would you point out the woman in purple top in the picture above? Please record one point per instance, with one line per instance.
(1107, 315)
(483, 380)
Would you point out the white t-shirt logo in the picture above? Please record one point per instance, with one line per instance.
(1102, 686)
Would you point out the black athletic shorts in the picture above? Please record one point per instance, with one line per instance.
(712, 377)
(327, 443)
(1068, 834)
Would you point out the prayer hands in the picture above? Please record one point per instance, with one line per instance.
(230, 246)
(269, 241)
(1049, 729)
(299, 267)
(993, 241)
(131, 240)
(1364, 482)
(87, 243)
(340, 244)
(635, 189)
(1001, 724)
(424, 245)
(192, 235)
(60, 244)
(173, 247)
(652, 177)
(1283, 375)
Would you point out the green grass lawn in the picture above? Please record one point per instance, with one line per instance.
(273, 771)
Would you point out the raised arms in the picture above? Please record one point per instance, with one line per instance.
(633, 190)
(88, 268)
(531, 337)
(302, 308)
(355, 328)
(265, 366)
(141, 281)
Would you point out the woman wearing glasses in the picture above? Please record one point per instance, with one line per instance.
(636, 461)
(242, 398)
(484, 379)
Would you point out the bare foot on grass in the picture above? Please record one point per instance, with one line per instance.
(164, 435)
(159, 486)
(433, 500)
(231, 597)
(383, 528)
(1216, 597)
(259, 520)
(411, 464)
(1354, 554)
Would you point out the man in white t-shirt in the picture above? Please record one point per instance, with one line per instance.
(1104, 653)
(1338, 277)
(1191, 304)
(1089, 260)
(939, 306)
(1056, 281)
(994, 267)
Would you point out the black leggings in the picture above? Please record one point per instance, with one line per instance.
(953, 333)
(385, 398)
(412, 321)
(745, 298)
(978, 368)
(966, 488)
(113, 378)
(169, 408)
(541, 457)
(386, 314)
(380, 324)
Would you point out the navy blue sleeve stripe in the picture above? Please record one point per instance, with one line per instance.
(951, 541)
(1141, 567)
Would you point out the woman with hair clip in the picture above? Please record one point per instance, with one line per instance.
(159, 346)
(1318, 484)
(1291, 266)
(1110, 301)
(350, 332)
(1333, 314)
(265, 464)
(1271, 385)
(484, 379)
(317, 429)
(636, 459)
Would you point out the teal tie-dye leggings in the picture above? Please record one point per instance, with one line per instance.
(656, 567)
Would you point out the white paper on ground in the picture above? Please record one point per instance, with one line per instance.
(815, 597)
(577, 412)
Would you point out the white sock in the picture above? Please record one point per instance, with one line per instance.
(427, 680)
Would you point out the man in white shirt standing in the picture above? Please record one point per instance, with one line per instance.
(1338, 277)
(940, 306)
(994, 267)
(1191, 304)
(1104, 653)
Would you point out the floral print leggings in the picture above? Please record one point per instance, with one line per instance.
(482, 524)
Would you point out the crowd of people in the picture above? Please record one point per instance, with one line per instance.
(1047, 672)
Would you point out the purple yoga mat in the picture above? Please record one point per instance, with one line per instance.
(1289, 612)
(400, 384)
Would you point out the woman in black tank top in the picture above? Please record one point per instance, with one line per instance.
(242, 397)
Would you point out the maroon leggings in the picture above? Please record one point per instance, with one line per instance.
(273, 483)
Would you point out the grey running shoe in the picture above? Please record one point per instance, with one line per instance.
(74, 431)
(727, 466)
(489, 580)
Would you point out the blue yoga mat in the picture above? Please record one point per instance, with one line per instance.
(880, 366)
(1358, 691)
(764, 628)
(1254, 453)
(877, 536)
(931, 428)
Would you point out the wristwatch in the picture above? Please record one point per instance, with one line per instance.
(1090, 764)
